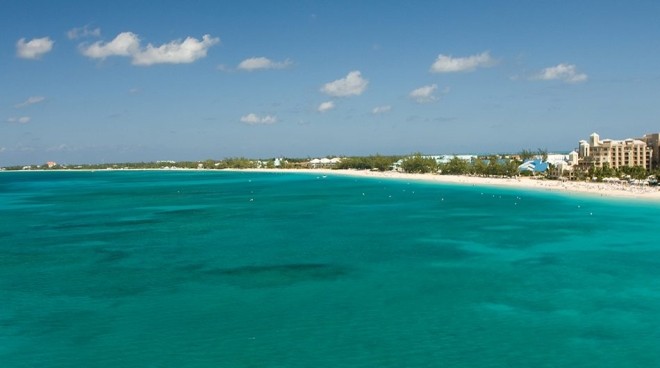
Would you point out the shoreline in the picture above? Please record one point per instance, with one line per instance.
(596, 190)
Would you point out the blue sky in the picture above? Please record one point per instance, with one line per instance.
(88, 82)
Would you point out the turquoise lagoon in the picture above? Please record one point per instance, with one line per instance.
(237, 269)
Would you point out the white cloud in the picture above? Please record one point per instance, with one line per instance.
(80, 32)
(125, 44)
(128, 44)
(34, 48)
(351, 85)
(424, 94)
(326, 106)
(448, 64)
(30, 101)
(21, 120)
(257, 63)
(564, 72)
(254, 119)
(381, 109)
(175, 52)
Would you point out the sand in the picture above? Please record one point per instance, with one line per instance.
(612, 190)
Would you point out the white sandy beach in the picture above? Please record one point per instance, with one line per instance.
(613, 190)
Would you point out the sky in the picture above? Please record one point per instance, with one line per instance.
(129, 81)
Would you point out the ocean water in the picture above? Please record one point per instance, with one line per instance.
(236, 269)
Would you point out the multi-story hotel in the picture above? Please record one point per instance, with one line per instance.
(653, 142)
(618, 153)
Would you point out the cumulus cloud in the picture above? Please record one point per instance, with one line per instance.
(257, 63)
(424, 94)
(351, 85)
(21, 120)
(381, 109)
(30, 101)
(128, 44)
(326, 106)
(565, 72)
(125, 44)
(81, 32)
(254, 119)
(449, 64)
(175, 52)
(34, 48)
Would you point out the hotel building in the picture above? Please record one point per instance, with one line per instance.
(618, 153)
(653, 142)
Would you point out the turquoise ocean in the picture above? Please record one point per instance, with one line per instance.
(242, 269)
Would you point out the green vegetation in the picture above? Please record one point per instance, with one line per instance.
(419, 164)
(527, 154)
(599, 174)
(457, 166)
(377, 163)
(236, 163)
(487, 166)
(493, 165)
(635, 172)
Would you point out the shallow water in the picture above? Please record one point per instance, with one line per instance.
(233, 269)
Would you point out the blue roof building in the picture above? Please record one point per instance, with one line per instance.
(536, 166)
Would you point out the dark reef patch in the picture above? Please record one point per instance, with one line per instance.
(279, 275)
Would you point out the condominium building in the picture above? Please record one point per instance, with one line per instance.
(652, 141)
(615, 153)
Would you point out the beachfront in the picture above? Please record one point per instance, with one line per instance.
(613, 190)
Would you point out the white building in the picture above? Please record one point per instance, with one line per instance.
(324, 162)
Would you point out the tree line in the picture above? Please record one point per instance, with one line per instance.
(494, 165)
(490, 165)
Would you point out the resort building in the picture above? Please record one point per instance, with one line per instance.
(653, 142)
(615, 153)
(324, 162)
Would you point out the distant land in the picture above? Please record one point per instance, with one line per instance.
(538, 164)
